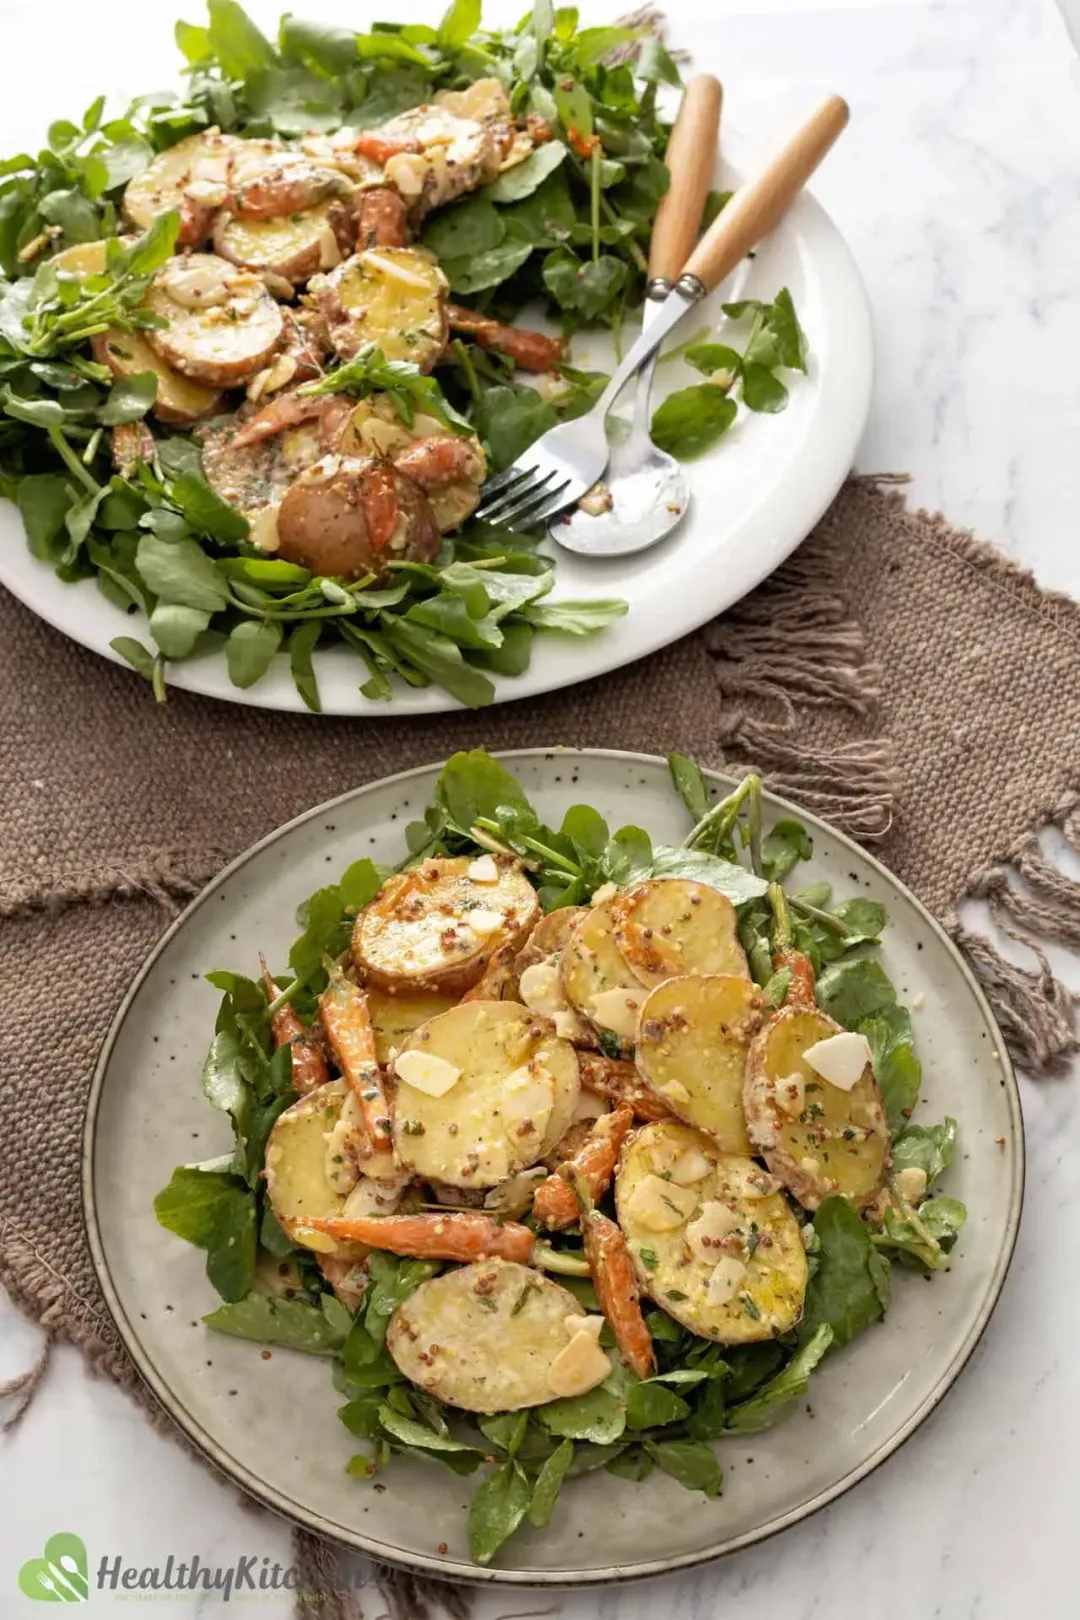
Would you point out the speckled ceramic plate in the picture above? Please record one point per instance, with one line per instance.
(271, 1424)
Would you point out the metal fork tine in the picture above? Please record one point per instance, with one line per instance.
(539, 508)
(500, 481)
(507, 506)
(491, 511)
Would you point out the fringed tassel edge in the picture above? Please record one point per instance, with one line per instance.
(1036, 1011)
(167, 879)
(325, 1590)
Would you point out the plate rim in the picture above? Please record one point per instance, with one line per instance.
(453, 1569)
(823, 474)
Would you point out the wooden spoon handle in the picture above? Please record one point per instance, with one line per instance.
(757, 205)
(691, 159)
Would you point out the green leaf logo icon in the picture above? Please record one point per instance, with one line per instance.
(60, 1575)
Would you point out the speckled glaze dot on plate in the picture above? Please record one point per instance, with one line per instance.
(279, 1435)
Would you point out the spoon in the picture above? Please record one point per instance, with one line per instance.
(648, 489)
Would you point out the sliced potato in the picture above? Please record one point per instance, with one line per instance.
(222, 324)
(598, 983)
(296, 246)
(457, 153)
(550, 937)
(392, 297)
(484, 1337)
(125, 353)
(178, 400)
(204, 159)
(296, 1182)
(832, 1141)
(435, 927)
(394, 1017)
(727, 1259)
(692, 1042)
(512, 1087)
(349, 516)
(668, 926)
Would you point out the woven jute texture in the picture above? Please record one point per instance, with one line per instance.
(897, 676)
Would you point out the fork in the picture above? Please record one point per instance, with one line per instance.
(566, 461)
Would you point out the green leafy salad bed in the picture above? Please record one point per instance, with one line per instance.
(801, 1235)
(110, 398)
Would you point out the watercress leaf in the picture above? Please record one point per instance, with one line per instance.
(189, 1205)
(493, 266)
(391, 90)
(634, 1464)
(864, 918)
(525, 178)
(691, 1462)
(43, 500)
(547, 214)
(692, 420)
(239, 46)
(179, 571)
(498, 1506)
(392, 1282)
(325, 49)
(73, 212)
(575, 618)
(739, 884)
(360, 883)
(548, 1484)
(712, 357)
(439, 658)
(323, 922)
(655, 62)
(250, 650)
(629, 856)
(302, 643)
(448, 614)
(761, 390)
(929, 1148)
(651, 1406)
(176, 629)
(855, 989)
(842, 1293)
(943, 1217)
(361, 1415)
(473, 785)
(789, 335)
(776, 1399)
(380, 47)
(134, 653)
(510, 419)
(896, 1065)
(129, 398)
(575, 108)
(230, 1254)
(458, 24)
(292, 1323)
(706, 1420)
(505, 1430)
(272, 1236)
(418, 1435)
(774, 991)
(469, 228)
(205, 510)
(586, 288)
(689, 783)
(294, 100)
(598, 1416)
(785, 844)
(223, 1084)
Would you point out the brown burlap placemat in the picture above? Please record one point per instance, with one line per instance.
(897, 677)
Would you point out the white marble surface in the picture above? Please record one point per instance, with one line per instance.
(959, 190)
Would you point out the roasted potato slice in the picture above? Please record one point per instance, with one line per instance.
(668, 926)
(349, 517)
(457, 153)
(296, 1159)
(222, 324)
(597, 981)
(125, 353)
(295, 247)
(436, 926)
(178, 400)
(394, 1017)
(392, 297)
(448, 467)
(817, 1138)
(483, 1090)
(693, 1037)
(191, 177)
(712, 1238)
(550, 937)
(484, 1337)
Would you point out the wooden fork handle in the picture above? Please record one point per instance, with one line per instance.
(691, 159)
(756, 207)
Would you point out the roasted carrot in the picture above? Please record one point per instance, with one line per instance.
(532, 351)
(801, 989)
(382, 219)
(308, 1062)
(620, 1082)
(594, 1161)
(379, 148)
(613, 1279)
(347, 1022)
(435, 1237)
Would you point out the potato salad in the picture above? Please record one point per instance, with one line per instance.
(573, 1150)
